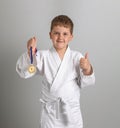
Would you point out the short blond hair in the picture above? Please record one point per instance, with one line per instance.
(62, 20)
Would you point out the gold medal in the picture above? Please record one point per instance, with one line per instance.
(32, 69)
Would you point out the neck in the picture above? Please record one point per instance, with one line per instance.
(61, 52)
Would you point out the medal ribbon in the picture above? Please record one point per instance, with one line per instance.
(31, 56)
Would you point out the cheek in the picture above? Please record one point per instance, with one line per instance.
(53, 37)
(68, 40)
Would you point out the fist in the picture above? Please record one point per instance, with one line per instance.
(85, 65)
(32, 43)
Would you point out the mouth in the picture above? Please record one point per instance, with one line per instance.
(60, 41)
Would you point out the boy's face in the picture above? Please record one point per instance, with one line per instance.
(60, 37)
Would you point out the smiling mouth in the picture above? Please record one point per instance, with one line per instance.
(60, 41)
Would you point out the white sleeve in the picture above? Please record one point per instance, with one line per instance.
(86, 80)
(22, 66)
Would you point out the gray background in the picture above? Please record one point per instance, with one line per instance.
(97, 30)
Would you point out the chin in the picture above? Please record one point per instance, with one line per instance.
(61, 47)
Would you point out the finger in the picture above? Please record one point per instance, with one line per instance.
(32, 42)
(34, 38)
(86, 55)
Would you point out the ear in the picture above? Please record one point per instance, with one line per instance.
(50, 35)
(71, 37)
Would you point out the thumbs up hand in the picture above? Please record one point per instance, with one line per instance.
(85, 65)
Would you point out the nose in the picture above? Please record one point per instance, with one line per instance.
(60, 36)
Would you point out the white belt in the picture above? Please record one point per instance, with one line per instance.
(61, 106)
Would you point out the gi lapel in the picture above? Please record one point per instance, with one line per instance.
(62, 72)
(55, 56)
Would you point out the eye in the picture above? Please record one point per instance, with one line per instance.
(56, 33)
(65, 34)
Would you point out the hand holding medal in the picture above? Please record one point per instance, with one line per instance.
(32, 67)
(31, 45)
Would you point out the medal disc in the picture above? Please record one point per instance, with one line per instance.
(32, 69)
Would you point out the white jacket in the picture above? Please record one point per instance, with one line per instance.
(61, 85)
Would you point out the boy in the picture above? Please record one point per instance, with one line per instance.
(64, 72)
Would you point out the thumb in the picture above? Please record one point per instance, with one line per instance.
(86, 55)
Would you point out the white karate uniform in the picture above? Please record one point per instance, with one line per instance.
(62, 80)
